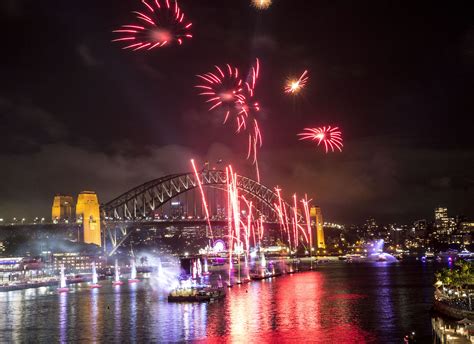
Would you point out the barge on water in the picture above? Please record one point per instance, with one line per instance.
(196, 294)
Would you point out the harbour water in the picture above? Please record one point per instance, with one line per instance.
(338, 303)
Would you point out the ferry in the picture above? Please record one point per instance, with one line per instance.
(465, 254)
(354, 257)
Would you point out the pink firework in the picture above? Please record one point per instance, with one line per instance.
(295, 86)
(225, 89)
(161, 23)
(248, 112)
(329, 136)
(222, 88)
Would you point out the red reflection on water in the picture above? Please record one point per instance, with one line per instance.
(347, 297)
(292, 308)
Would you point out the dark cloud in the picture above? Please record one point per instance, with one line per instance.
(25, 127)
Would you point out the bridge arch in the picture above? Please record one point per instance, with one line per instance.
(139, 203)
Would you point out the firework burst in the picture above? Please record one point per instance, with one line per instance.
(294, 86)
(331, 137)
(225, 89)
(161, 23)
(261, 4)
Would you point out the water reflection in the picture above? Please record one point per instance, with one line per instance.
(133, 311)
(346, 303)
(117, 316)
(93, 313)
(63, 321)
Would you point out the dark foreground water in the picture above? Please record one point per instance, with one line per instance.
(338, 303)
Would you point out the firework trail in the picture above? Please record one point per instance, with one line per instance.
(204, 202)
(255, 134)
(295, 86)
(305, 202)
(329, 136)
(161, 23)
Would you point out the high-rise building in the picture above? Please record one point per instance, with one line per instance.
(317, 223)
(441, 221)
(88, 213)
(62, 210)
(465, 232)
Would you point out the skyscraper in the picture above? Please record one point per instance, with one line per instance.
(317, 223)
(88, 213)
(441, 221)
(62, 210)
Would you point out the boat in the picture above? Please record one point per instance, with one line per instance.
(449, 254)
(465, 254)
(264, 275)
(354, 257)
(196, 294)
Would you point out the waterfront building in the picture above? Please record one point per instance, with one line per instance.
(88, 214)
(317, 223)
(76, 262)
(62, 210)
(464, 233)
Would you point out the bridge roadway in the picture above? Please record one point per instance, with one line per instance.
(138, 223)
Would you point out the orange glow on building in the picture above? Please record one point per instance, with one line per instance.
(62, 210)
(88, 213)
(317, 223)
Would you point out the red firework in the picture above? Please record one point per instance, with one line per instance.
(224, 88)
(162, 23)
(331, 137)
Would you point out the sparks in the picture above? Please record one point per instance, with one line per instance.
(294, 86)
(261, 4)
(329, 136)
(159, 25)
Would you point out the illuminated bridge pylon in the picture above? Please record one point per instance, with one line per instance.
(140, 204)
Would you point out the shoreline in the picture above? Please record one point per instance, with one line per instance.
(452, 312)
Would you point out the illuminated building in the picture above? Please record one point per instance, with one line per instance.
(76, 262)
(464, 233)
(88, 213)
(62, 210)
(317, 222)
(441, 221)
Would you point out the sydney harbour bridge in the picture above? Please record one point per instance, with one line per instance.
(193, 207)
(146, 205)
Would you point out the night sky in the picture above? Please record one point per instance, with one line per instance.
(78, 113)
